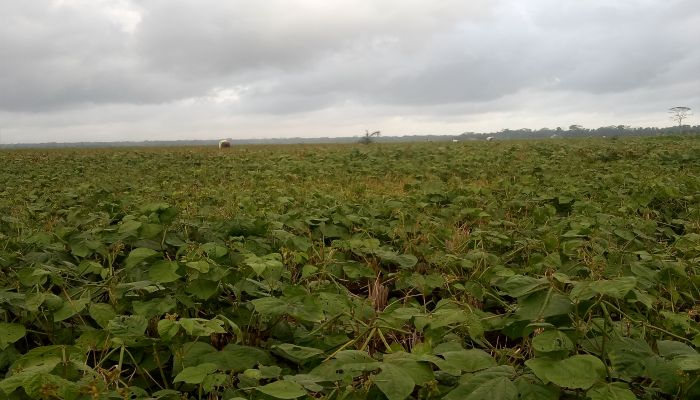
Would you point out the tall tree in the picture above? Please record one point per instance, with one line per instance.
(679, 114)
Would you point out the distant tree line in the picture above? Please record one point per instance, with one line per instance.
(578, 131)
(573, 131)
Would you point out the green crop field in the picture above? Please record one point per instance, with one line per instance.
(559, 269)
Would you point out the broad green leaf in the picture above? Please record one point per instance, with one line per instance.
(23, 377)
(308, 270)
(298, 354)
(536, 391)
(102, 313)
(201, 266)
(283, 390)
(127, 326)
(270, 306)
(393, 382)
(213, 380)
(542, 305)
(129, 226)
(167, 329)
(69, 309)
(575, 372)
(420, 372)
(196, 374)
(466, 360)
(214, 250)
(610, 391)
(201, 326)
(444, 316)
(616, 288)
(495, 389)
(402, 260)
(688, 363)
(202, 289)
(238, 358)
(519, 285)
(139, 255)
(44, 385)
(494, 382)
(672, 349)
(10, 333)
(192, 354)
(308, 381)
(356, 270)
(164, 271)
(154, 307)
(628, 357)
(552, 341)
(33, 301)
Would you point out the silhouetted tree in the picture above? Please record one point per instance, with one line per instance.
(679, 114)
(367, 139)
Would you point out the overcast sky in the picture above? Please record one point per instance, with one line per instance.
(102, 70)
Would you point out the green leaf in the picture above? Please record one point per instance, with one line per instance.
(130, 326)
(308, 270)
(69, 309)
(296, 353)
(519, 285)
(445, 316)
(542, 305)
(201, 266)
(129, 226)
(308, 381)
(102, 313)
(576, 372)
(610, 391)
(201, 326)
(672, 349)
(164, 271)
(139, 255)
(616, 288)
(270, 306)
(420, 372)
(202, 289)
(51, 386)
(552, 341)
(154, 307)
(33, 301)
(356, 270)
(238, 358)
(465, 360)
(10, 333)
(167, 329)
(688, 363)
(214, 250)
(283, 390)
(536, 391)
(195, 375)
(628, 357)
(212, 381)
(402, 260)
(492, 383)
(393, 382)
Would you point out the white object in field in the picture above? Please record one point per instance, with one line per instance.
(224, 144)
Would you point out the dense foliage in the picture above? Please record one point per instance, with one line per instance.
(499, 270)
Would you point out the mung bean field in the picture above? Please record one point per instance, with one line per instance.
(557, 269)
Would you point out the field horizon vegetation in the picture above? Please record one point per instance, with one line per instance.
(532, 269)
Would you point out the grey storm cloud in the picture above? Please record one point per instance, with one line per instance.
(281, 58)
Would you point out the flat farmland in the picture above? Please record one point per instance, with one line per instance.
(557, 269)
